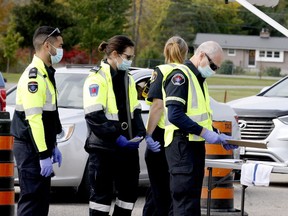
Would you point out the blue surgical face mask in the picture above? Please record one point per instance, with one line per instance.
(59, 55)
(206, 71)
(124, 65)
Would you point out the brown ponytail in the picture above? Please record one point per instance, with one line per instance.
(175, 50)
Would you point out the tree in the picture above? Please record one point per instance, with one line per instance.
(10, 43)
(186, 18)
(6, 7)
(146, 23)
(37, 13)
(98, 20)
(252, 24)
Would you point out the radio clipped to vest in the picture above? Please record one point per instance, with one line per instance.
(146, 89)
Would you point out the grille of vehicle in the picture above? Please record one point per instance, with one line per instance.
(255, 128)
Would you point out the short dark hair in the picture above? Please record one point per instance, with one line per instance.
(118, 43)
(41, 35)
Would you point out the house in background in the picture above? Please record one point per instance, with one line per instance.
(252, 53)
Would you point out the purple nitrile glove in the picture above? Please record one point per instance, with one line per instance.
(152, 145)
(224, 143)
(123, 142)
(46, 167)
(57, 156)
(211, 136)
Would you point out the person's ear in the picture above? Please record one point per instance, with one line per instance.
(46, 45)
(114, 54)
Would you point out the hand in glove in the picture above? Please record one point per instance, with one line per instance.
(152, 145)
(123, 142)
(211, 136)
(224, 143)
(57, 156)
(46, 167)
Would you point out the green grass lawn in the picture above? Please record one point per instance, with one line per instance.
(234, 80)
(231, 94)
(11, 77)
(227, 94)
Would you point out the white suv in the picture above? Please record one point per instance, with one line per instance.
(264, 117)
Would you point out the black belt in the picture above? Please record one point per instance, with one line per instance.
(180, 133)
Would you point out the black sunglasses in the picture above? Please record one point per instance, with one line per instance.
(55, 30)
(213, 66)
(129, 57)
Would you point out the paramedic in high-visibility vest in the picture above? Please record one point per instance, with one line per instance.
(189, 125)
(115, 130)
(158, 200)
(36, 123)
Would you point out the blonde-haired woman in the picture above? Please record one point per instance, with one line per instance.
(158, 199)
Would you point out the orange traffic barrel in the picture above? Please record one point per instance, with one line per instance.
(222, 197)
(7, 192)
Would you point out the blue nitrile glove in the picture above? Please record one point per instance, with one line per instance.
(46, 167)
(211, 136)
(57, 156)
(154, 146)
(123, 142)
(224, 143)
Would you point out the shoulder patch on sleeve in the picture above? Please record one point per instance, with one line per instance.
(33, 73)
(178, 79)
(33, 87)
(93, 89)
(96, 69)
(154, 76)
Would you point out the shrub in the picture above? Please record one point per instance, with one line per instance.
(226, 67)
(273, 71)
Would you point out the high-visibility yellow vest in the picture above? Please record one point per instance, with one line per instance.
(103, 97)
(38, 107)
(198, 106)
(165, 69)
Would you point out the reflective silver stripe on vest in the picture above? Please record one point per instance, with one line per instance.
(199, 118)
(194, 103)
(173, 98)
(124, 205)
(113, 117)
(48, 106)
(99, 207)
(102, 74)
(35, 110)
(132, 111)
(19, 107)
(93, 108)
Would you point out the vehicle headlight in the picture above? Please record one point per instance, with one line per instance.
(67, 131)
(284, 119)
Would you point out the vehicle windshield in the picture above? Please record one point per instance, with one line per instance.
(69, 87)
(70, 90)
(280, 90)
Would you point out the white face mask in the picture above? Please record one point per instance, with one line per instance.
(59, 55)
(206, 71)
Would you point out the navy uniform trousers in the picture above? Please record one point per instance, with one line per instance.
(186, 161)
(34, 194)
(109, 170)
(158, 199)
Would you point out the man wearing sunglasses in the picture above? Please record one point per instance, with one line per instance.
(36, 123)
(190, 125)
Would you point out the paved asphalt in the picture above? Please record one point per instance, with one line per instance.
(259, 201)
